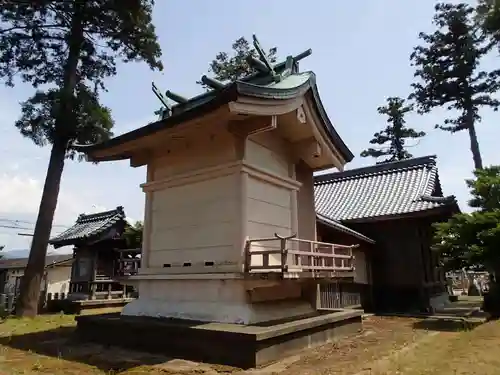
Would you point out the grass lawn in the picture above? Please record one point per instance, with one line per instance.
(475, 352)
(45, 345)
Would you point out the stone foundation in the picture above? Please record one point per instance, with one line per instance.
(237, 345)
(214, 300)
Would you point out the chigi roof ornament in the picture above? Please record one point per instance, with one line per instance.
(262, 67)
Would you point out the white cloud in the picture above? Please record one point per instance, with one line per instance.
(21, 194)
(18, 193)
(85, 188)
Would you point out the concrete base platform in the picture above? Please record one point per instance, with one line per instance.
(77, 306)
(243, 346)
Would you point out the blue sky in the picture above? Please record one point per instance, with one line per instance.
(360, 56)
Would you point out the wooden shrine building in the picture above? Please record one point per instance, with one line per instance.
(230, 225)
(394, 205)
(101, 258)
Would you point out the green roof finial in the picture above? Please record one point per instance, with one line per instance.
(212, 83)
(176, 97)
(262, 56)
(164, 111)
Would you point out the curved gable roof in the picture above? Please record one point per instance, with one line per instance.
(89, 227)
(257, 85)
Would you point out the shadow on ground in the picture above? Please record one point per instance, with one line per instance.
(448, 325)
(62, 343)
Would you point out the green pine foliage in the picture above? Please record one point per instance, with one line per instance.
(392, 140)
(472, 240)
(133, 235)
(488, 18)
(449, 75)
(66, 50)
(227, 67)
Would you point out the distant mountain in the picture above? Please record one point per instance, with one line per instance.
(10, 254)
(24, 253)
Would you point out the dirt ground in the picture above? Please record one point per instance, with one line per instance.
(391, 346)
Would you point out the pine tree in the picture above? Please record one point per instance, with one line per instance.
(65, 50)
(488, 17)
(449, 74)
(133, 234)
(472, 240)
(393, 138)
(226, 67)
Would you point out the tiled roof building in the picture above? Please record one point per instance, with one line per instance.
(385, 190)
(394, 205)
(92, 227)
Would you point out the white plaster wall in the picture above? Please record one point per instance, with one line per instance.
(195, 223)
(58, 279)
(268, 210)
(221, 301)
(10, 280)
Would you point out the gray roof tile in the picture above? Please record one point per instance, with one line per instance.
(89, 226)
(387, 189)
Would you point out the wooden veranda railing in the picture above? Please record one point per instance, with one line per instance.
(129, 262)
(294, 257)
(101, 289)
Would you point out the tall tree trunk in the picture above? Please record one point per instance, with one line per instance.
(398, 141)
(471, 127)
(27, 303)
(474, 147)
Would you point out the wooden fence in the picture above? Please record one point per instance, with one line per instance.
(339, 295)
(8, 301)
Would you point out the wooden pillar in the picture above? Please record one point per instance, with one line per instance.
(148, 213)
(293, 203)
(242, 233)
(95, 266)
(93, 287)
(294, 245)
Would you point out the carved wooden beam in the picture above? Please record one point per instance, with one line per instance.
(252, 125)
(301, 115)
(307, 149)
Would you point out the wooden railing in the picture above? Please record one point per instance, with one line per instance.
(128, 267)
(290, 255)
(129, 262)
(101, 289)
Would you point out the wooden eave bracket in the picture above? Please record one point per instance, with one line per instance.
(140, 158)
(252, 125)
(307, 148)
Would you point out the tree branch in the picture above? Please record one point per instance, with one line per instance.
(29, 28)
